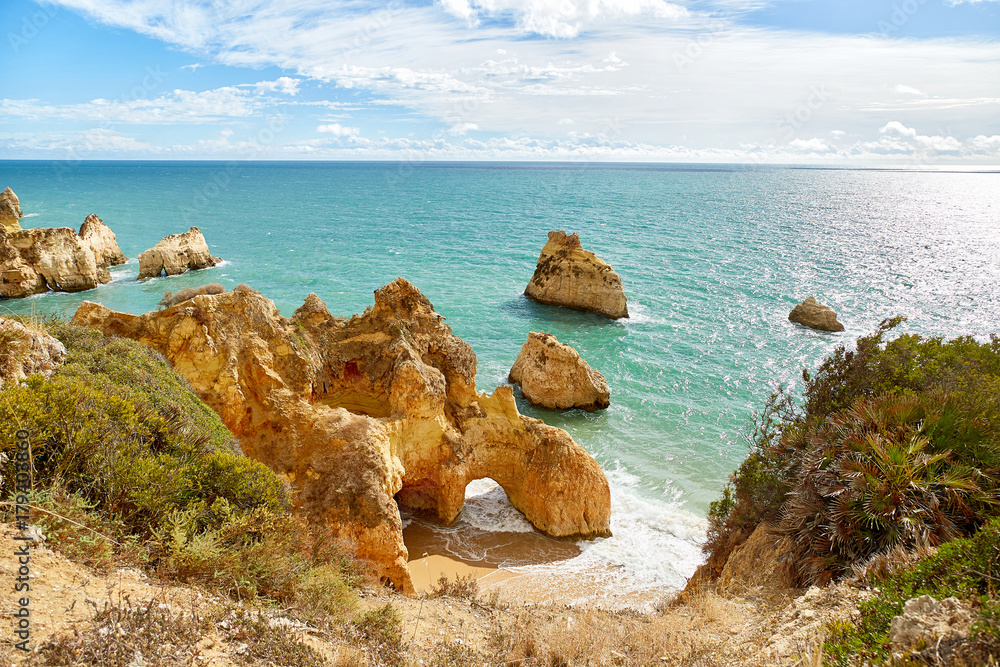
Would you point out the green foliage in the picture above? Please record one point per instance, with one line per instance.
(882, 474)
(966, 568)
(132, 465)
(895, 445)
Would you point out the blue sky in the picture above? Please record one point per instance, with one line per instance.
(898, 82)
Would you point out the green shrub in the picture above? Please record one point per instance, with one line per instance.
(895, 444)
(966, 568)
(132, 465)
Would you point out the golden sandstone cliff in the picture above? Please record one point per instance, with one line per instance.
(57, 258)
(553, 375)
(567, 275)
(175, 254)
(10, 211)
(361, 414)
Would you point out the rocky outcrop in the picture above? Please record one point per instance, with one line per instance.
(356, 414)
(102, 242)
(567, 275)
(25, 350)
(925, 621)
(175, 254)
(814, 315)
(10, 211)
(553, 375)
(38, 260)
(57, 258)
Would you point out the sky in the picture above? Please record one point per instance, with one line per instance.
(911, 83)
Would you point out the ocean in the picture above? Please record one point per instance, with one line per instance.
(712, 257)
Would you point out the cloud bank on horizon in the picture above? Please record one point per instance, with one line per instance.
(907, 82)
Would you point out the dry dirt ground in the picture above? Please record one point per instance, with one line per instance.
(704, 629)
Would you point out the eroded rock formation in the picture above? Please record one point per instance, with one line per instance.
(567, 275)
(26, 350)
(814, 315)
(553, 375)
(38, 260)
(103, 243)
(175, 254)
(356, 413)
(57, 258)
(10, 211)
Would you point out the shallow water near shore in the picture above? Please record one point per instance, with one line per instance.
(713, 257)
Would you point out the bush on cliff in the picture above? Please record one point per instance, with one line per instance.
(966, 568)
(134, 466)
(896, 444)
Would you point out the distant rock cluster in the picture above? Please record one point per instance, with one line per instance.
(57, 258)
(60, 259)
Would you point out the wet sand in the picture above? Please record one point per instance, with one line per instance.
(493, 559)
(486, 556)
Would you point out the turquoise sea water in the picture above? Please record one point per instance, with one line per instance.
(713, 258)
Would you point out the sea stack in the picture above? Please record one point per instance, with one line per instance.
(366, 415)
(10, 211)
(814, 315)
(553, 375)
(103, 243)
(567, 275)
(175, 254)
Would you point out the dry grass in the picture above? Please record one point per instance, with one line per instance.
(696, 633)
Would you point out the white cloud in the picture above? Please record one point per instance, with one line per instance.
(561, 18)
(908, 90)
(177, 106)
(462, 128)
(898, 146)
(284, 84)
(338, 130)
(619, 76)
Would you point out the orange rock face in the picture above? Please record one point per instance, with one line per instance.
(553, 375)
(361, 414)
(57, 258)
(10, 211)
(175, 254)
(567, 275)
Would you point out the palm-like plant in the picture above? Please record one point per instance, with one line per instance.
(878, 475)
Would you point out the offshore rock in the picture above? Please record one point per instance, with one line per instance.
(103, 243)
(357, 413)
(25, 350)
(37, 260)
(567, 275)
(175, 254)
(814, 315)
(10, 211)
(553, 375)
